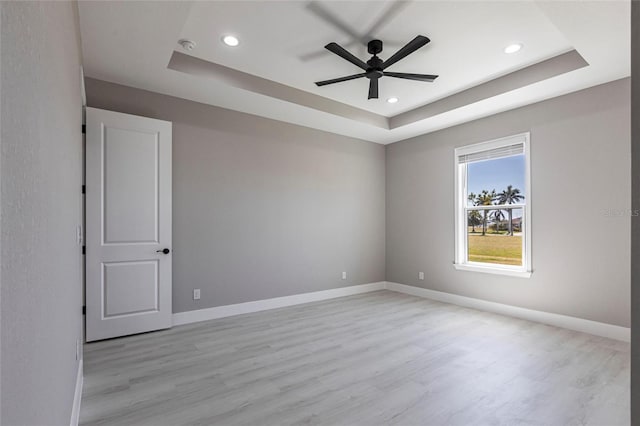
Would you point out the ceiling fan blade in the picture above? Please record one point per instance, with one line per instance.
(408, 49)
(387, 15)
(340, 51)
(319, 10)
(418, 77)
(312, 56)
(373, 88)
(341, 79)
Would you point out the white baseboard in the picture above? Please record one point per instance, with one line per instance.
(189, 317)
(77, 396)
(564, 321)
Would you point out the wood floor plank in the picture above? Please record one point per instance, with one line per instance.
(380, 358)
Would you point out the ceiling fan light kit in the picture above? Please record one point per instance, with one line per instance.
(375, 67)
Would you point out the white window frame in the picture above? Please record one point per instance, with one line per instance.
(461, 253)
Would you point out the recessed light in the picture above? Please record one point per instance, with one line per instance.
(187, 44)
(392, 100)
(230, 40)
(513, 48)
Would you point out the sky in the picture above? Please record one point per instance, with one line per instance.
(496, 174)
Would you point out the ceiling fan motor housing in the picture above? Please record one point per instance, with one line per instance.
(375, 68)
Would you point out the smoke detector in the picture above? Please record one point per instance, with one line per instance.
(187, 44)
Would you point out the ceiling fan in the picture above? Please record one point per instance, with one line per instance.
(375, 67)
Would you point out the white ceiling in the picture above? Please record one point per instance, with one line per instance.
(131, 43)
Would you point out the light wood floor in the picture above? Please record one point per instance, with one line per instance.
(379, 358)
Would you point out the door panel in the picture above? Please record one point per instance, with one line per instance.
(130, 288)
(128, 202)
(131, 186)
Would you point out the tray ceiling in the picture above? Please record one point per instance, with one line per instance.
(568, 46)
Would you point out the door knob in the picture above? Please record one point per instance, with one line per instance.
(165, 251)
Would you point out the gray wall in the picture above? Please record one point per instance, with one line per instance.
(261, 208)
(41, 159)
(635, 223)
(580, 167)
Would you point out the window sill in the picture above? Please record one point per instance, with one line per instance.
(492, 270)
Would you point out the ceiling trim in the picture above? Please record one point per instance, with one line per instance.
(546, 69)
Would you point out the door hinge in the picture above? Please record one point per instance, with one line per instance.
(84, 249)
(84, 310)
(84, 129)
(84, 189)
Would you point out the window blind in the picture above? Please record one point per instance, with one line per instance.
(492, 154)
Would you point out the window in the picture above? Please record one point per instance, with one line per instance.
(493, 207)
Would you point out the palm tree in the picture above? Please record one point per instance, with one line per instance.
(498, 216)
(485, 198)
(510, 195)
(474, 215)
(474, 219)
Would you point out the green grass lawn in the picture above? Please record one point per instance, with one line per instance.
(495, 248)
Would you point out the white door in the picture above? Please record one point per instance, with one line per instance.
(128, 224)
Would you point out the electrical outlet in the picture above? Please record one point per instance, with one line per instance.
(196, 294)
(78, 346)
(344, 275)
(421, 275)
